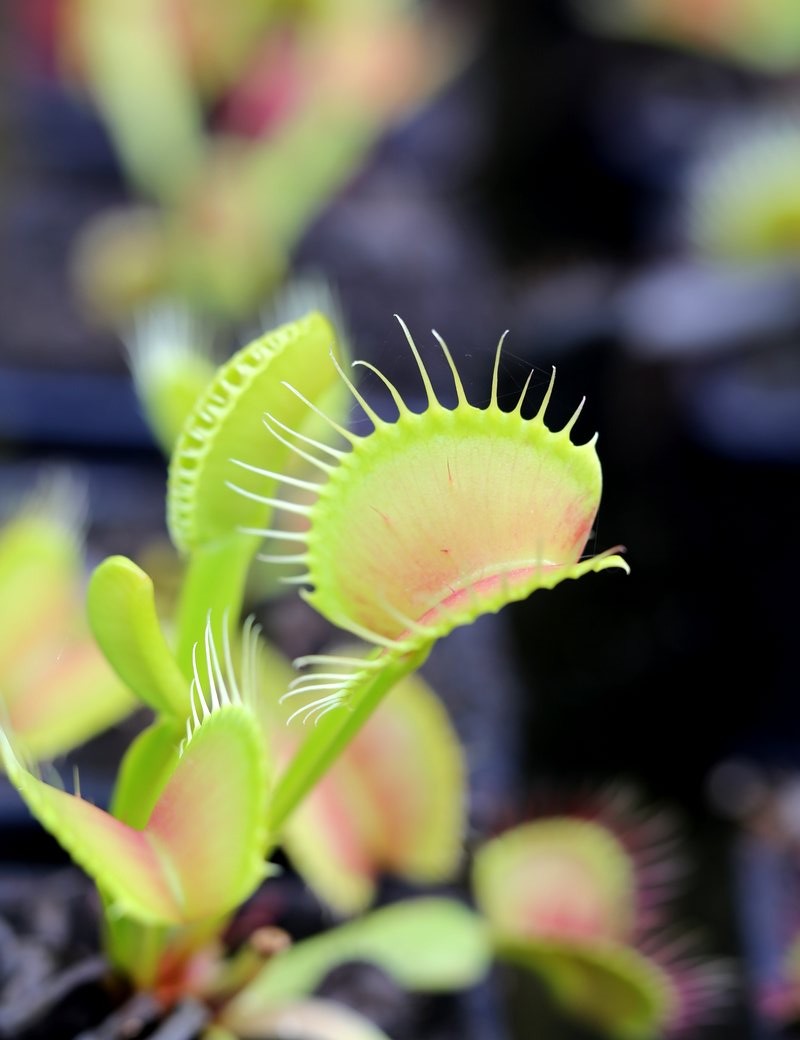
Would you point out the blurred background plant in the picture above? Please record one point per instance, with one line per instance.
(587, 907)
(764, 36)
(234, 126)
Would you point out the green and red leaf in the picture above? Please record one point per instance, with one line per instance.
(392, 803)
(423, 525)
(200, 852)
(57, 690)
(563, 879)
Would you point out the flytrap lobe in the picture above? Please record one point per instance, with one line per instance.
(200, 852)
(437, 517)
(562, 897)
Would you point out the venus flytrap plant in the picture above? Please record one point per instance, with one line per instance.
(218, 530)
(56, 691)
(565, 898)
(418, 527)
(121, 607)
(370, 813)
(367, 815)
(538, 503)
(170, 356)
(200, 852)
(122, 613)
(426, 944)
(309, 89)
(192, 849)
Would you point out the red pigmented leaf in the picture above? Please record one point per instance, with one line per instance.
(393, 803)
(200, 853)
